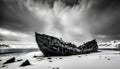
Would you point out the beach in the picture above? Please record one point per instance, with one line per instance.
(103, 59)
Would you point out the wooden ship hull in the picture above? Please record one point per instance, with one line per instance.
(52, 46)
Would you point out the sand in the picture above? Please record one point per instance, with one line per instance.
(104, 59)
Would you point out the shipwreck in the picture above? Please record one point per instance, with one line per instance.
(52, 46)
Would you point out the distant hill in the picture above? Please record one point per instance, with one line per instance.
(4, 45)
(110, 45)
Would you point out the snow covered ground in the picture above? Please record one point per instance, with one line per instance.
(110, 45)
(104, 59)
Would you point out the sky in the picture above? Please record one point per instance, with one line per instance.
(75, 21)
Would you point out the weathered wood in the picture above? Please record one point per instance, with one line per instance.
(52, 46)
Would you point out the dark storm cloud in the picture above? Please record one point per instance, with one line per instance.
(70, 2)
(66, 2)
(15, 16)
(99, 17)
(104, 5)
(4, 38)
(105, 38)
(104, 19)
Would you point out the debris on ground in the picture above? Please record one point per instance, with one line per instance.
(26, 63)
(11, 60)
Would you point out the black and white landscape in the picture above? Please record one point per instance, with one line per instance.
(73, 34)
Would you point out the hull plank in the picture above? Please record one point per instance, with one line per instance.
(52, 46)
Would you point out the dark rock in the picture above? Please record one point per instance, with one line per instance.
(108, 59)
(49, 58)
(19, 60)
(60, 58)
(79, 56)
(3, 66)
(56, 68)
(42, 58)
(50, 61)
(35, 56)
(11, 60)
(0, 60)
(105, 57)
(26, 63)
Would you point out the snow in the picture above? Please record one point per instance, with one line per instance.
(110, 45)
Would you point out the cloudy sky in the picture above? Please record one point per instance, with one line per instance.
(74, 21)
